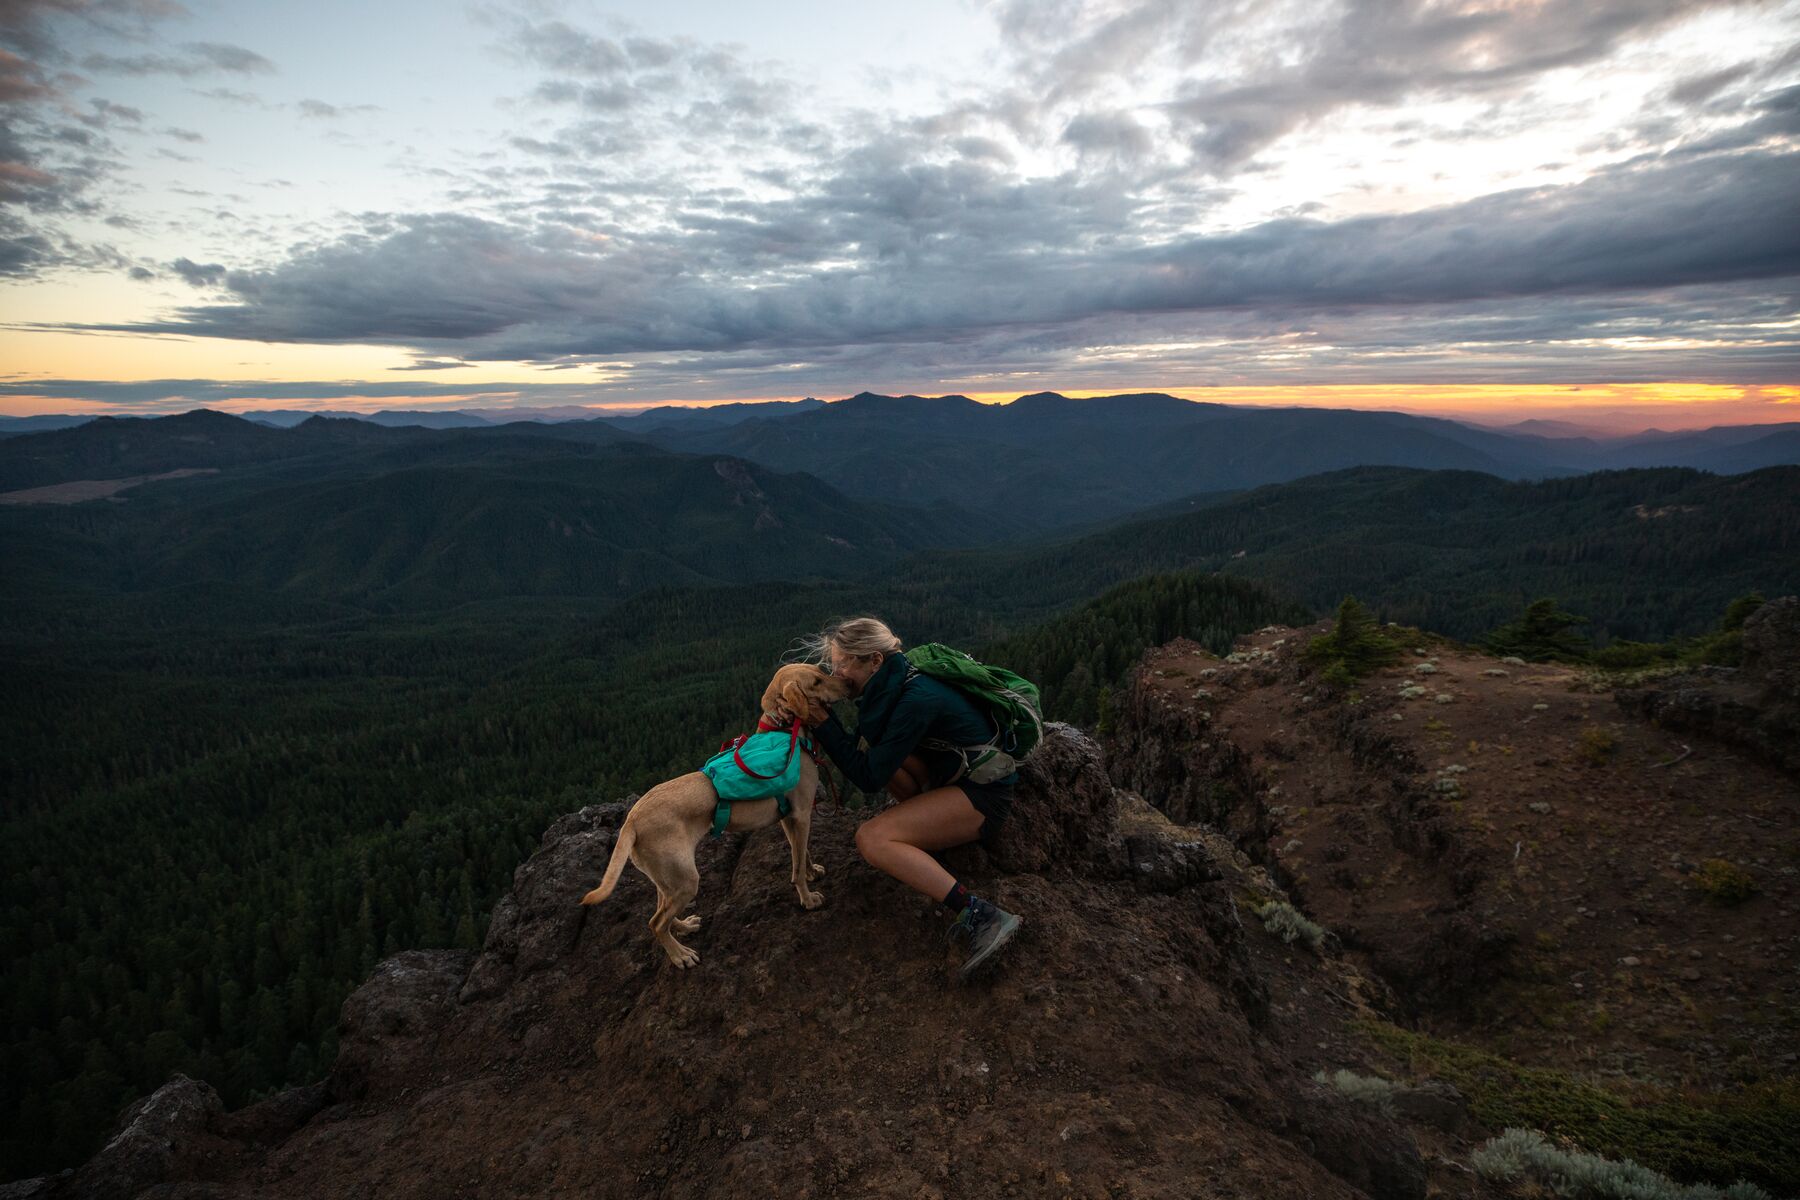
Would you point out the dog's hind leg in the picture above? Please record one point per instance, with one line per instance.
(683, 880)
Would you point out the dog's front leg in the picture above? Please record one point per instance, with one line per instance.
(798, 827)
(815, 871)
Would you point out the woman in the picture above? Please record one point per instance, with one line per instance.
(933, 810)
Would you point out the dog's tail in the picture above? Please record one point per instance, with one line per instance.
(615, 867)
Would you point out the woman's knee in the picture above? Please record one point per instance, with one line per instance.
(869, 839)
(902, 786)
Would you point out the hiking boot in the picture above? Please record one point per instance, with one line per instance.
(987, 928)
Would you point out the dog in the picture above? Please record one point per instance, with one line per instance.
(664, 827)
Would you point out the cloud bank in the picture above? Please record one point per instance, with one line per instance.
(1130, 192)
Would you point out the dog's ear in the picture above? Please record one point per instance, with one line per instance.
(771, 697)
(795, 700)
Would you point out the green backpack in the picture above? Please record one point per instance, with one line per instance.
(1011, 702)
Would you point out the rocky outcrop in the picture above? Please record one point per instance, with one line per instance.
(1755, 707)
(1068, 816)
(1193, 733)
(1139, 1033)
(179, 1142)
(388, 1028)
(1497, 841)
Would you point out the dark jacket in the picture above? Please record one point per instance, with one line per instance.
(892, 719)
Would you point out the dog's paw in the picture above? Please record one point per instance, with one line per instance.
(683, 957)
(811, 900)
(816, 872)
(592, 897)
(688, 924)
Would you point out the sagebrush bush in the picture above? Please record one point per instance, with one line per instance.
(1286, 922)
(1364, 1089)
(1744, 1133)
(1524, 1156)
(1597, 744)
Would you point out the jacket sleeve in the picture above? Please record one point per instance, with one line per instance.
(870, 770)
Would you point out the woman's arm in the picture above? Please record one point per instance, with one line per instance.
(871, 770)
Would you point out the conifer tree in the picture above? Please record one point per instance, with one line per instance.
(1543, 634)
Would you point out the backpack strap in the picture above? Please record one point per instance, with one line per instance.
(722, 810)
(991, 746)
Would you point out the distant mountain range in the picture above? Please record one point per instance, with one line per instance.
(1044, 461)
(403, 515)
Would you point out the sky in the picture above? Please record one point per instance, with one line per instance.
(1579, 210)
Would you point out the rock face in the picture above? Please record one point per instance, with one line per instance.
(1755, 707)
(1069, 816)
(1194, 733)
(388, 1028)
(1139, 1037)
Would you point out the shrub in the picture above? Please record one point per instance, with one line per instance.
(1597, 744)
(1624, 655)
(1724, 882)
(1285, 921)
(1743, 1134)
(1523, 1155)
(1364, 1089)
(1724, 646)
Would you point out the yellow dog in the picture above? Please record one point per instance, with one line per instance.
(665, 826)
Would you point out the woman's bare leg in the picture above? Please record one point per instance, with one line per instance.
(898, 839)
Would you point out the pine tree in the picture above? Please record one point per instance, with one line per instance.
(1354, 647)
(1543, 634)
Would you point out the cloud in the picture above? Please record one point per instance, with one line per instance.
(691, 213)
(1009, 256)
(232, 96)
(318, 108)
(196, 58)
(198, 274)
(51, 169)
(1253, 74)
(1697, 88)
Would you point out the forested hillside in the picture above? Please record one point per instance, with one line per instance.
(428, 526)
(1641, 554)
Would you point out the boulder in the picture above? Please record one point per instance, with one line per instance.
(388, 1027)
(539, 920)
(1064, 809)
(1772, 649)
(165, 1136)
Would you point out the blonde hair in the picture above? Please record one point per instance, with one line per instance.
(858, 636)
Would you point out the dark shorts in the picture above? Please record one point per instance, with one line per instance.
(993, 801)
